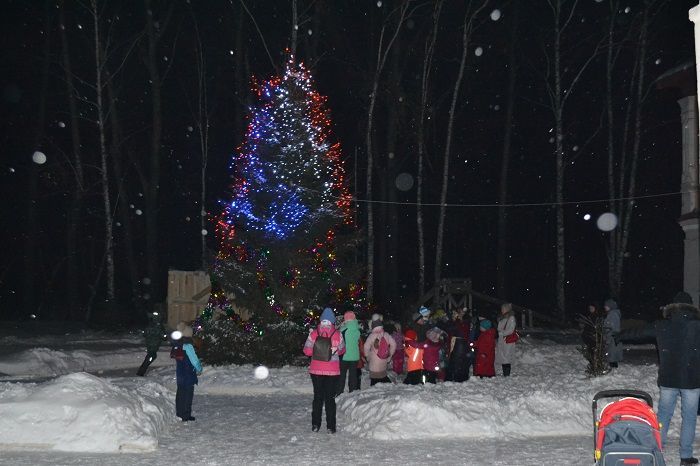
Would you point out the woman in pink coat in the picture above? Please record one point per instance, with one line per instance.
(324, 346)
(373, 348)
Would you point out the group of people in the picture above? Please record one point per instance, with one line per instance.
(434, 347)
(601, 332)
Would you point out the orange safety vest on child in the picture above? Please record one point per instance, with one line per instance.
(414, 356)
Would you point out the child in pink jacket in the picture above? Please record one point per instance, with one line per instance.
(324, 346)
(377, 365)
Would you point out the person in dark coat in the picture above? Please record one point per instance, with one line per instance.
(187, 368)
(678, 342)
(458, 338)
(590, 319)
(153, 334)
(611, 326)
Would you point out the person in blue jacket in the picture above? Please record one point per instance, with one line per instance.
(187, 368)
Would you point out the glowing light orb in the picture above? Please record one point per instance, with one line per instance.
(176, 335)
(39, 157)
(261, 372)
(404, 182)
(607, 221)
(495, 15)
(587, 217)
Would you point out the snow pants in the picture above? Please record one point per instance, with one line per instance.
(150, 357)
(325, 387)
(348, 369)
(183, 401)
(414, 378)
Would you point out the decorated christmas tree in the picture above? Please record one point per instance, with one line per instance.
(287, 241)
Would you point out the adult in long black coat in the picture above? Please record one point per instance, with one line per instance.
(678, 341)
(458, 363)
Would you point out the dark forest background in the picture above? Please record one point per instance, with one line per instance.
(158, 58)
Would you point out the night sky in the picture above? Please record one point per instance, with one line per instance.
(338, 41)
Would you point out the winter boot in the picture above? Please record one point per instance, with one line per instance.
(691, 460)
(331, 430)
(315, 428)
(506, 370)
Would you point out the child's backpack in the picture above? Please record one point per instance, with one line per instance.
(177, 353)
(323, 348)
(381, 347)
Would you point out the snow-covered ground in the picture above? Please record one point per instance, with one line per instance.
(542, 414)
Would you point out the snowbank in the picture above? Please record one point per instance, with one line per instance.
(548, 395)
(81, 412)
(50, 362)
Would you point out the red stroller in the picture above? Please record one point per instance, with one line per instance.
(626, 431)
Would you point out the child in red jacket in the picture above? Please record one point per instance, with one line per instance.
(485, 347)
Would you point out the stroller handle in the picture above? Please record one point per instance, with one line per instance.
(618, 393)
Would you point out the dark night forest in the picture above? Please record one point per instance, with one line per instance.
(135, 108)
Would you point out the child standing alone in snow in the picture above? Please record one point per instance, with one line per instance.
(187, 368)
(324, 346)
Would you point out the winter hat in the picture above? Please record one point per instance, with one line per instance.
(349, 315)
(376, 323)
(186, 331)
(328, 315)
(410, 334)
(424, 311)
(434, 334)
(485, 324)
(682, 297)
(610, 304)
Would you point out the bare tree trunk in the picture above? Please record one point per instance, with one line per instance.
(123, 195)
(32, 225)
(154, 165)
(468, 25)
(626, 207)
(382, 54)
(609, 64)
(109, 242)
(202, 118)
(502, 273)
(559, 156)
(76, 205)
(558, 95)
(295, 28)
(425, 86)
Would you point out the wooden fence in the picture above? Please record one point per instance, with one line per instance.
(188, 293)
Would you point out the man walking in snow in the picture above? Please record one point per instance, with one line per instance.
(153, 334)
(678, 341)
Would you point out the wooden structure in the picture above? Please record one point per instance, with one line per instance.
(188, 293)
(455, 293)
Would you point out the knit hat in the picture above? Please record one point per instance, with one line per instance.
(424, 311)
(683, 297)
(186, 331)
(349, 315)
(328, 315)
(376, 323)
(378, 317)
(610, 304)
(410, 334)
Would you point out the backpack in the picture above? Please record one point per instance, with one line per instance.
(323, 347)
(381, 347)
(177, 353)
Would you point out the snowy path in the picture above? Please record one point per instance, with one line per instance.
(274, 429)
